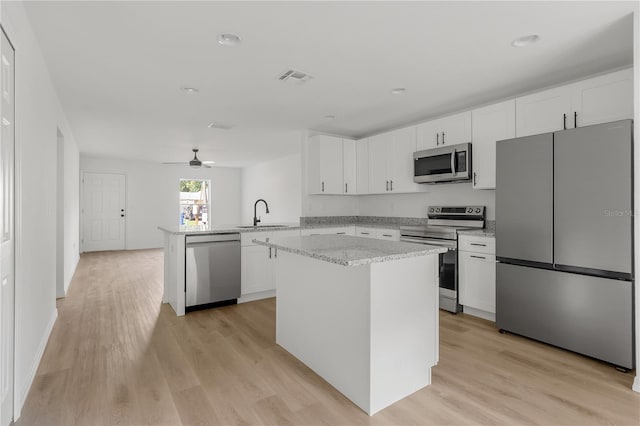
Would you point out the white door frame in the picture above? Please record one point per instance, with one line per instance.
(81, 201)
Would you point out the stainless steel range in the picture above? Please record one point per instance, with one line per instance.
(442, 228)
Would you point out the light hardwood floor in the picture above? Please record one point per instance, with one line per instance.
(117, 355)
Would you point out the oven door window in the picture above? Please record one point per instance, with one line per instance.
(448, 270)
(433, 165)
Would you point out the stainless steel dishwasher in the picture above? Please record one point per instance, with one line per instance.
(212, 268)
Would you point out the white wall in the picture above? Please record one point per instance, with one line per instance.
(153, 196)
(278, 183)
(636, 162)
(38, 116)
(415, 205)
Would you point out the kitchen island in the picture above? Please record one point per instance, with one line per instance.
(361, 313)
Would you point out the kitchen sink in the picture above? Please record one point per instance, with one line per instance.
(262, 226)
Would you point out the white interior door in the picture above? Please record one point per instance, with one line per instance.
(7, 243)
(103, 211)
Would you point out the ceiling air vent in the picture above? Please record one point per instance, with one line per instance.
(222, 126)
(294, 76)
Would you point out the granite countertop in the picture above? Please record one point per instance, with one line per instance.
(349, 251)
(489, 233)
(221, 229)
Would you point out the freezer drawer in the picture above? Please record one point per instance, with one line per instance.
(212, 269)
(585, 314)
(593, 197)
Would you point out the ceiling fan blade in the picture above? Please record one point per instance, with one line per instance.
(206, 165)
(175, 162)
(208, 162)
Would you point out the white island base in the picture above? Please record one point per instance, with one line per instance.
(371, 331)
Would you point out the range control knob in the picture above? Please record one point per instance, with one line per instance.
(469, 210)
(430, 209)
(478, 210)
(438, 210)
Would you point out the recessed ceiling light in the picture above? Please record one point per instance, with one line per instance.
(525, 40)
(216, 125)
(329, 117)
(189, 89)
(398, 90)
(228, 39)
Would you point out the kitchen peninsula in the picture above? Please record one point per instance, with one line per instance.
(361, 313)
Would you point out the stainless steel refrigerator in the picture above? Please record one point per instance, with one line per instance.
(564, 239)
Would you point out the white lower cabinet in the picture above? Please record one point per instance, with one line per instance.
(338, 230)
(256, 264)
(477, 276)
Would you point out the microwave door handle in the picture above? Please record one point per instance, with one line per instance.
(453, 162)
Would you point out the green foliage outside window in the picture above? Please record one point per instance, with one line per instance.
(190, 185)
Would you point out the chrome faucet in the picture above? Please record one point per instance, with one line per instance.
(256, 220)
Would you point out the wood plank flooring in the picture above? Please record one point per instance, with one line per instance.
(117, 355)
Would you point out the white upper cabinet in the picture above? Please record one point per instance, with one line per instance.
(362, 166)
(391, 161)
(402, 146)
(601, 99)
(542, 112)
(450, 130)
(608, 97)
(490, 124)
(379, 164)
(349, 161)
(331, 165)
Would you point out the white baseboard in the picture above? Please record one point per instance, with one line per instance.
(636, 384)
(479, 313)
(21, 396)
(257, 296)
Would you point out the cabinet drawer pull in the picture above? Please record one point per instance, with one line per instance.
(478, 257)
(341, 233)
(387, 235)
(364, 233)
(478, 244)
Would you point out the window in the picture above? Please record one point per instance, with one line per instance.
(195, 201)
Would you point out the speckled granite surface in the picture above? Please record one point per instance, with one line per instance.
(366, 221)
(488, 231)
(222, 229)
(349, 251)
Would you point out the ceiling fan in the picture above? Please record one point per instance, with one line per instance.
(196, 163)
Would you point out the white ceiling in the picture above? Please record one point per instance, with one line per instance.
(118, 67)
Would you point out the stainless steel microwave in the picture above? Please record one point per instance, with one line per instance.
(443, 164)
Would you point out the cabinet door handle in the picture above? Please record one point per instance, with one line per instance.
(346, 187)
(391, 186)
(437, 138)
(269, 252)
(387, 185)
(575, 119)
(322, 186)
(478, 244)
(478, 257)
(474, 178)
(275, 252)
(442, 138)
(564, 121)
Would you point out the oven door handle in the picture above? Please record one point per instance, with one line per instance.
(451, 245)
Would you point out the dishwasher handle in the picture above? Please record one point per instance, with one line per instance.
(211, 238)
